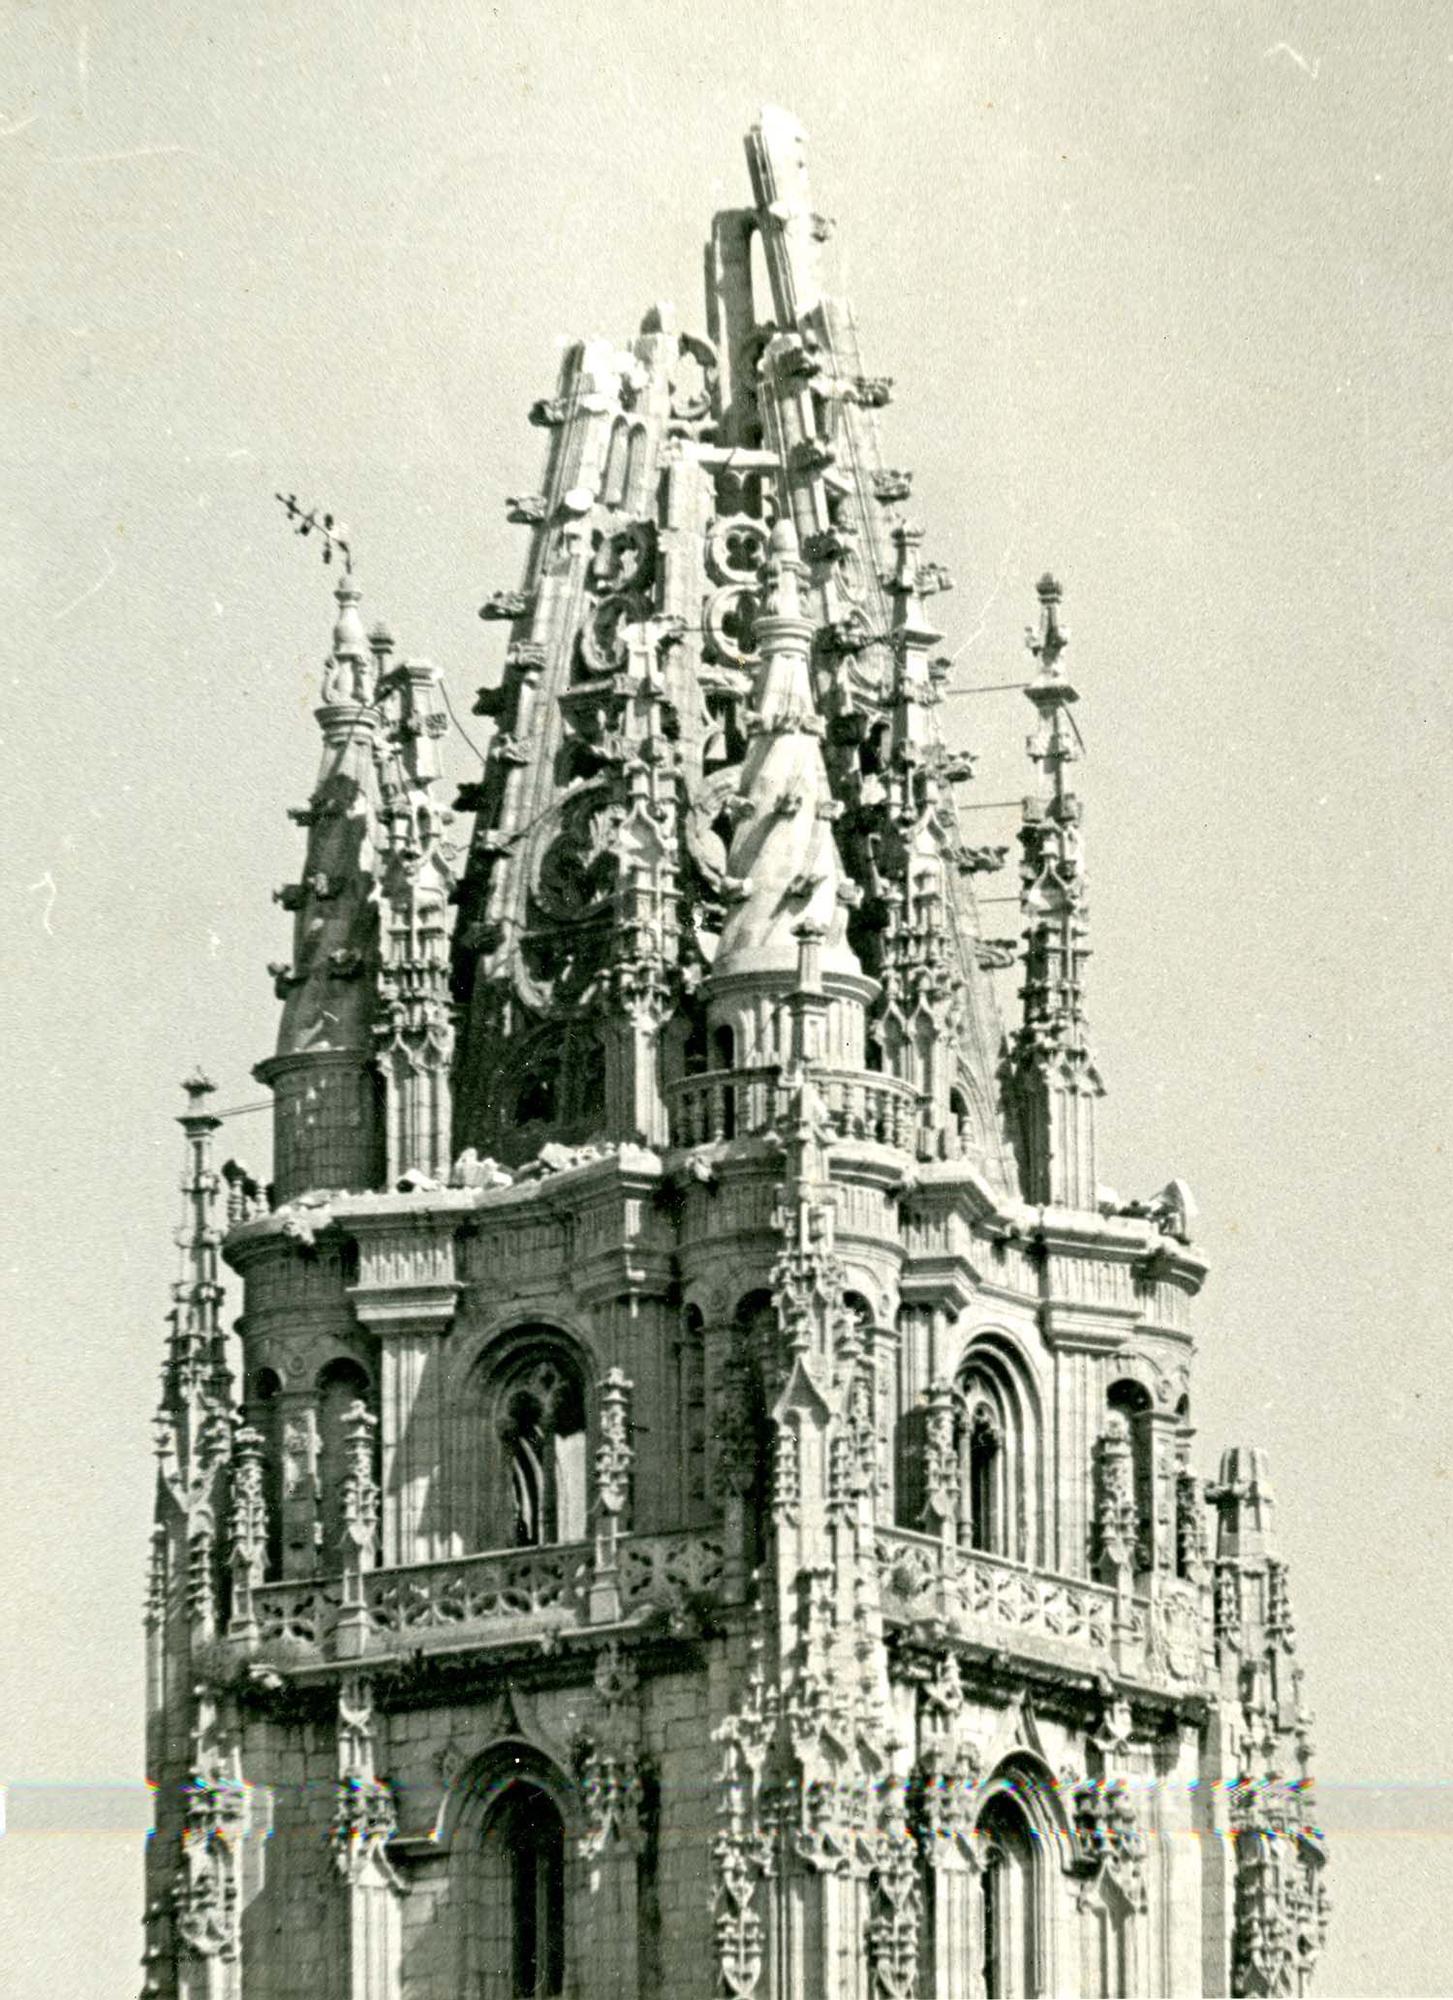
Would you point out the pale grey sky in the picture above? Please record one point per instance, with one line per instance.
(1166, 291)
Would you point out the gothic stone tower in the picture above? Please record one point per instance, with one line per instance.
(700, 1500)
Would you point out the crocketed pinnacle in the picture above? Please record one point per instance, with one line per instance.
(328, 999)
(784, 861)
(1058, 1082)
(195, 1378)
(1053, 865)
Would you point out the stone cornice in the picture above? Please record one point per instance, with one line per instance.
(1121, 1239)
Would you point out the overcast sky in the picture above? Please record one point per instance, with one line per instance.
(1166, 293)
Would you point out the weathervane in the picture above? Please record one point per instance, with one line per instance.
(308, 523)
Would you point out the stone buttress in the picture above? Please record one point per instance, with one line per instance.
(700, 1498)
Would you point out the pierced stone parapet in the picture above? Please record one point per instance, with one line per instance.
(754, 1103)
(499, 1596)
(991, 1601)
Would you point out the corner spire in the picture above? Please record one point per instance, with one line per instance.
(1055, 1076)
(366, 990)
(195, 1415)
(325, 1121)
(196, 1346)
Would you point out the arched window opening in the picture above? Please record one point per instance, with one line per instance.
(872, 751)
(747, 1414)
(613, 487)
(724, 1056)
(695, 1496)
(755, 1314)
(637, 454)
(1190, 1521)
(1132, 1401)
(1000, 1505)
(542, 1428)
(340, 1386)
(535, 1104)
(265, 1416)
(519, 1464)
(862, 1313)
(524, 1841)
(588, 1061)
(1011, 1889)
(763, 304)
(695, 1054)
(524, 1433)
(988, 1504)
(985, 1448)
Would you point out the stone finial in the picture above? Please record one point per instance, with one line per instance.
(199, 1087)
(350, 639)
(1050, 640)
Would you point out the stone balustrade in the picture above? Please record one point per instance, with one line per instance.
(511, 1594)
(497, 1596)
(1065, 1620)
(750, 1103)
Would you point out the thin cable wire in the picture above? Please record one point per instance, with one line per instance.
(444, 689)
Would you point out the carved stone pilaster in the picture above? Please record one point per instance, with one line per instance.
(359, 1539)
(1281, 1901)
(895, 1903)
(1116, 1514)
(1108, 1834)
(364, 1821)
(246, 1528)
(614, 1459)
(617, 1785)
(741, 1854)
(207, 1888)
(1191, 1540)
(608, 1759)
(364, 1818)
(941, 1461)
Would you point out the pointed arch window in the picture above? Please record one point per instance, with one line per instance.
(613, 486)
(521, 1480)
(535, 1104)
(637, 492)
(1131, 1401)
(524, 1851)
(744, 1429)
(985, 1481)
(998, 1458)
(1012, 1895)
(542, 1427)
(692, 1420)
(264, 1413)
(695, 1048)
